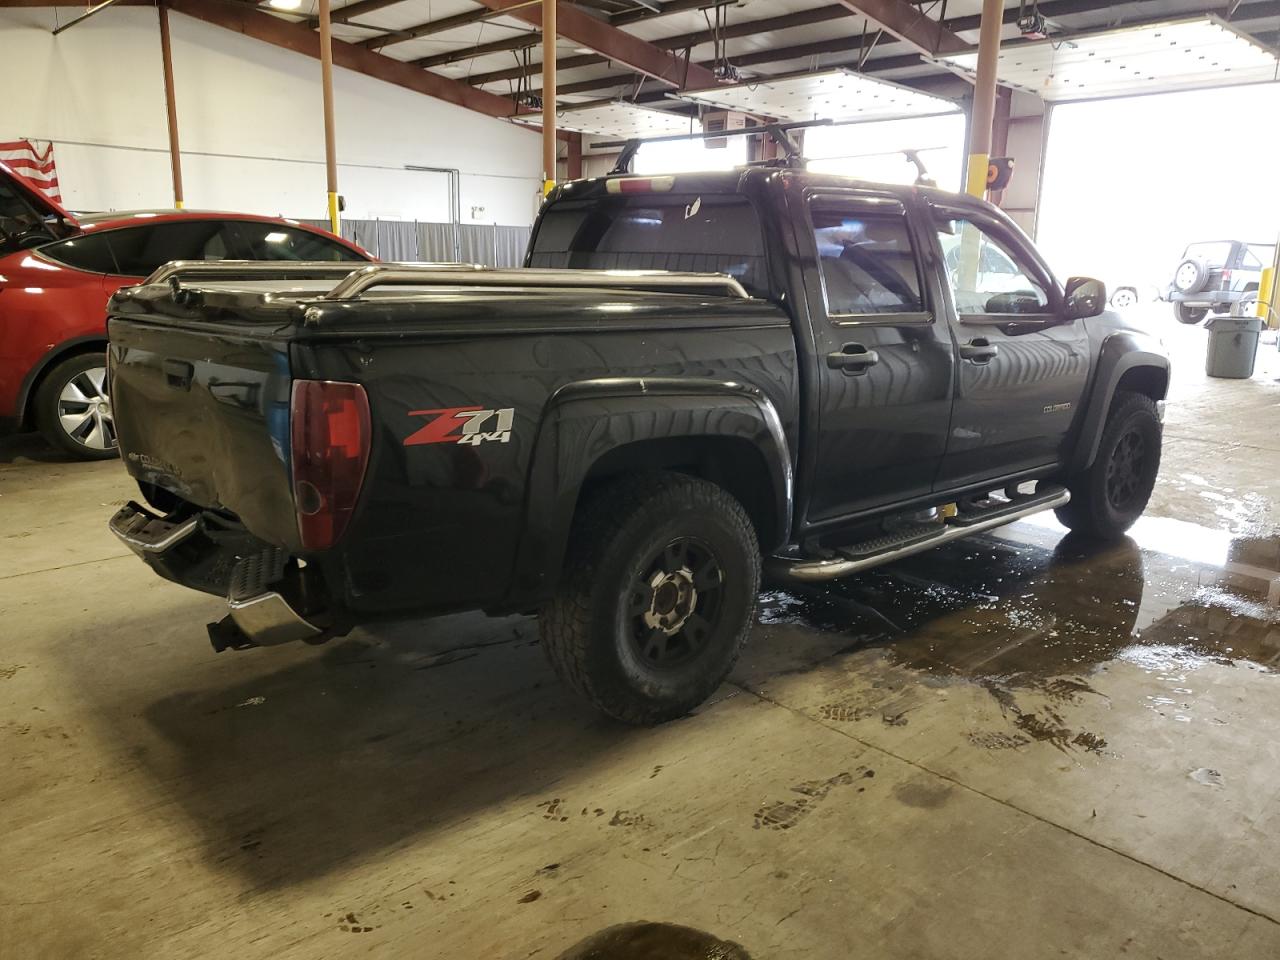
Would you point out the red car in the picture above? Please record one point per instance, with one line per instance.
(57, 270)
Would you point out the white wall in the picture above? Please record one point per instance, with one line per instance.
(250, 121)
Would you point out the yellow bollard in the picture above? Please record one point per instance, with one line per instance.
(1267, 297)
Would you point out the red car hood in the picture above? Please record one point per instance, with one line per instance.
(36, 196)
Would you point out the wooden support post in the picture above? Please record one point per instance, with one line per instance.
(548, 95)
(984, 97)
(171, 105)
(330, 146)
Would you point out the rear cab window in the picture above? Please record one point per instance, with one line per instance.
(866, 258)
(702, 233)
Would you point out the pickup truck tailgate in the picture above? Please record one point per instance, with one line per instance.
(202, 410)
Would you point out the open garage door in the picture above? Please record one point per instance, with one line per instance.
(1131, 184)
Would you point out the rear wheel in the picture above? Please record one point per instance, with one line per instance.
(657, 596)
(1189, 314)
(73, 409)
(1108, 497)
(1124, 298)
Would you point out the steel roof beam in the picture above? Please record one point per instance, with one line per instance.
(245, 19)
(909, 24)
(678, 42)
(613, 44)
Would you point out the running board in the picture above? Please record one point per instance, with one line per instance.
(856, 558)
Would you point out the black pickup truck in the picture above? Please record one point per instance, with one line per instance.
(696, 376)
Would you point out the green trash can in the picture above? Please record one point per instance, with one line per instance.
(1233, 346)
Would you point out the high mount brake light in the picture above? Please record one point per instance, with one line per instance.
(639, 184)
(329, 432)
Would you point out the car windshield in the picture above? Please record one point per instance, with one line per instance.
(21, 224)
(686, 232)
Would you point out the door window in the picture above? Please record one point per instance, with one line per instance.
(139, 251)
(274, 241)
(868, 265)
(987, 277)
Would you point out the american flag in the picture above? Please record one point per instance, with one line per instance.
(34, 160)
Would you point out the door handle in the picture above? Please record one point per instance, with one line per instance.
(178, 373)
(853, 358)
(980, 350)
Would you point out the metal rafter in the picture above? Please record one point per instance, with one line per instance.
(680, 41)
(298, 37)
(612, 43)
(909, 24)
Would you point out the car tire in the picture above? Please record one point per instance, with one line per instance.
(73, 410)
(1188, 314)
(657, 596)
(1124, 298)
(1108, 497)
(1191, 275)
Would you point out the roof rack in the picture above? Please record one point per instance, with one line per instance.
(414, 274)
(793, 156)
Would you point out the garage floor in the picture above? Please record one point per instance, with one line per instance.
(1016, 747)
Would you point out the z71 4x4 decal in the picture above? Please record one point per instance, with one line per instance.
(469, 425)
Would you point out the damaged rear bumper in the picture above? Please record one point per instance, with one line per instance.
(267, 595)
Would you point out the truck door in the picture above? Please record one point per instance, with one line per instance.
(1022, 367)
(883, 362)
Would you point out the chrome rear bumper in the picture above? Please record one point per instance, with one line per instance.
(230, 563)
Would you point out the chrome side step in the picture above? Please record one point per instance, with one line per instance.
(856, 559)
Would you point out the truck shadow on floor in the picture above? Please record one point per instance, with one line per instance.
(374, 740)
(408, 730)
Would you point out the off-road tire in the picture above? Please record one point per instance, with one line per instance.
(1188, 314)
(49, 397)
(591, 629)
(1102, 506)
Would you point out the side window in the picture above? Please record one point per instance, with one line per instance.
(865, 255)
(986, 276)
(90, 251)
(141, 250)
(273, 241)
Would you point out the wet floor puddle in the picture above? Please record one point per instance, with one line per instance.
(1030, 609)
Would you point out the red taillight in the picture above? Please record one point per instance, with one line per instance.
(329, 433)
(1226, 280)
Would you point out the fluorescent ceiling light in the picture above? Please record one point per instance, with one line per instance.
(284, 4)
(621, 121)
(276, 237)
(829, 95)
(1174, 55)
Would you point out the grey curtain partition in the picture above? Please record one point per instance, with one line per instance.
(494, 245)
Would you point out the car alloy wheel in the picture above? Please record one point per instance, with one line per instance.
(675, 603)
(1125, 470)
(84, 410)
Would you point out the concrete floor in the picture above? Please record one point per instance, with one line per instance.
(1015, 747)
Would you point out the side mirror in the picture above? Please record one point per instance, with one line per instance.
(1086, 297)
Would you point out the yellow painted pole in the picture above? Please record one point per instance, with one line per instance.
(984, 97)
(326, 84)
(1267, 297)
(549, 33)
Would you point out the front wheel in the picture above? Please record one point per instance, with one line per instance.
(73, 409)
(657, 596)
(1109, 496)
(1189, 314)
